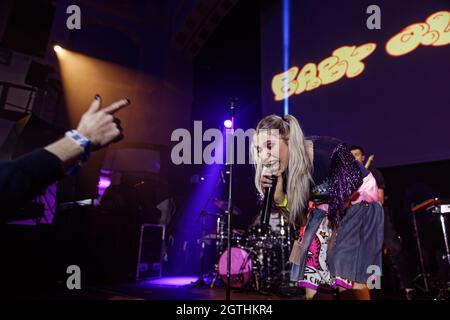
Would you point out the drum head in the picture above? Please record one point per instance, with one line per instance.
(241, 267)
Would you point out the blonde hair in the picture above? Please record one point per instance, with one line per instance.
(299, 170)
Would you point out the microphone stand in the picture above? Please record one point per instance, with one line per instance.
(230, 198)
(201, 281)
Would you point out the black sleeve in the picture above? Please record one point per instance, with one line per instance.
(379, 178)
(23, 178)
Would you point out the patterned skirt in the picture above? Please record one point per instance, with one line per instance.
(323, 258)
(317, 274)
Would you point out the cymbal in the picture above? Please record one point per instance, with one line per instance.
(214, 214)
(223, 205)
(257, 219)
(211, 236)
(239, 232)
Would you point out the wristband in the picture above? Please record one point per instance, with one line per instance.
(82, 141)
(283, 204)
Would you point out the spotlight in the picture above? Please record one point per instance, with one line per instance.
(104, 182)
(227, 124)
(57, 49)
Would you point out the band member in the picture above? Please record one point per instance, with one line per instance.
(332, 196)
(391, 239)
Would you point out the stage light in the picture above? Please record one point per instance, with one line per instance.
(104, 182)
(286, 4)
(227, 124)
(57, 49)
(83, 76)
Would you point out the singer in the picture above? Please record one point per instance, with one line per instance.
(331, 196)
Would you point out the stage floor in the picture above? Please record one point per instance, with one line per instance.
(169, 288)
(175, 288)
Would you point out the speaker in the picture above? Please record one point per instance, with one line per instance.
(29, 18)
(25, 135)
(37, 74)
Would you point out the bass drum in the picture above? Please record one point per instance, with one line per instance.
(241, 267)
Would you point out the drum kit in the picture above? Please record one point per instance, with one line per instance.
(258, 255)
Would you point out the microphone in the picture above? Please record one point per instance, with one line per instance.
(268, 200)
(222, 176)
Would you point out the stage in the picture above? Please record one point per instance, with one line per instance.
(296, 145)
(175, 288)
